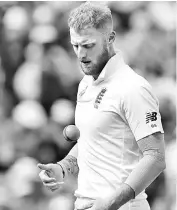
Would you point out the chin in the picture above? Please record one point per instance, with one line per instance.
(90, 71)
(87, 71)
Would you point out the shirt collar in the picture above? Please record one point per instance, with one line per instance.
(110, 68)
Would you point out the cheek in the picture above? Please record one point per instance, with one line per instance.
(95, 53)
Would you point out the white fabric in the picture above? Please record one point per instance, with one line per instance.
(110, 125)
(135, 204)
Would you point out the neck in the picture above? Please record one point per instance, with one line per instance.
(111, 51)
(111, 54)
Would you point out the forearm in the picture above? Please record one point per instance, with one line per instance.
(69, 163)
(146, 171)
(149, 167)
(124, 194)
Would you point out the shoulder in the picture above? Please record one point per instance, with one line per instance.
(133, 88)
(133, 83)
(126, 83)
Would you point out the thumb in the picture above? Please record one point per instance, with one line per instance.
(88, 205)
(44, 166)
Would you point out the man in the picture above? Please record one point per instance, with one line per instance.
(121, 147)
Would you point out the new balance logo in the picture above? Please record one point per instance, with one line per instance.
(151, 116)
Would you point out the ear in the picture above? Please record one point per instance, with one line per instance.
(112, 37)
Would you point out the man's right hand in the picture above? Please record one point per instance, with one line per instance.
(51, 175)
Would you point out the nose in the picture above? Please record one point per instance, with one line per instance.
(82, 53)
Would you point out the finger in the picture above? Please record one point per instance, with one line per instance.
(43, 166)
(53, 184)
(45, 177)
(50, 185)
(60, 183)
(48, 180)
(85, 206)
(52, 188)
(49, 173)
(56, 187)
(89, 208)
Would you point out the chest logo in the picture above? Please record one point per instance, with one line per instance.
(83, 91)
(99, 97)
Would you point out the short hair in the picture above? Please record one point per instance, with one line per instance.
(91, 15)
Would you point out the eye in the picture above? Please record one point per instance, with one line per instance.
(75, 46)
(88, 46)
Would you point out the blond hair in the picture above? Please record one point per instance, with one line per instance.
(89, 15)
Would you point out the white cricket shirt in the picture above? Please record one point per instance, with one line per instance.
(112, 114)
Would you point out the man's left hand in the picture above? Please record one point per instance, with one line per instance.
(104, 204)
(101, 204)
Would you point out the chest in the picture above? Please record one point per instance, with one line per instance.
(98, 109)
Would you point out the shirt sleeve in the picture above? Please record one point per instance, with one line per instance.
(141, 111)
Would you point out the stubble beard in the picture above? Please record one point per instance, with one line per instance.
(96, 69)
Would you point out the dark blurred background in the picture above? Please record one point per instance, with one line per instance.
(39, 77)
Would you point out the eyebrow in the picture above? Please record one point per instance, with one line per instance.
(83, 43)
